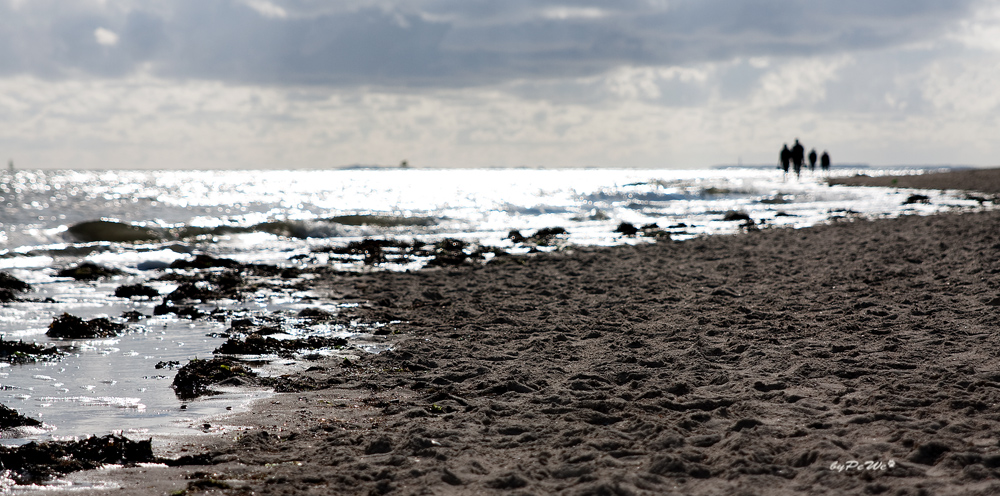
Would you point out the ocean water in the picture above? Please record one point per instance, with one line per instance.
(290, 218)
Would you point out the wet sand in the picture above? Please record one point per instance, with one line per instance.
(765, 362)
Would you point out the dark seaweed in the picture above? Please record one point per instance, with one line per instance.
(195, 378)
(10, 286)
(38, 462)
(255, 344)
(129, 291)
(9, 418)
(18, 352)
(73, 327)
(205, 262)
(88, 271)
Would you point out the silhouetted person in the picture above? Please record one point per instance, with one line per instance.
(786, 158)
(812, 160)
(824, 161)
(798, 157)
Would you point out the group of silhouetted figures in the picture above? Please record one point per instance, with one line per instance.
(795, 157)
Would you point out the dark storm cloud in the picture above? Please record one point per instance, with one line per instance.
(439, 42)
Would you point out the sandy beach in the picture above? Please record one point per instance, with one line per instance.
(856, 357)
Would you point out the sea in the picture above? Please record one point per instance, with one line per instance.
(141, 221)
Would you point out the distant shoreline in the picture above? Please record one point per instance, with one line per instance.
(982, 180)
(525, 167)
(858, 166)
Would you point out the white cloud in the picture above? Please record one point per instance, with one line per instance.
(982, 30)
(634, 83)
(151, 122)
(654, 84)
(267, 9)
(445, 43)
(306, 83)
(562, 12)
(105, 37)
(798, 82)
(966, 87)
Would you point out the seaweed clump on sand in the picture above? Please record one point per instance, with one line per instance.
(39, 462)
(10, 286)
(73, 327)
(186, 311)
(255, 344)
(88, 271)
(446, 252)
(736, 216)
(206, 262)
(376, 251)
(136, 290)
(195, 378)
(229, 283)
(18, 352)
(9, 418)
(316, 314)
(627, 228)
(648, 230)
(546, 236)
(451, 252)
(190, 291)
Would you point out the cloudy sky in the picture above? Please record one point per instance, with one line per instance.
(453, 83)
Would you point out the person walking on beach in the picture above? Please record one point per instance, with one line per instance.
(798, 156)
(786, 157)
(812, 160)
(824, 161)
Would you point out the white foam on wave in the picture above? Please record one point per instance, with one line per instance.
(26, 262)
(101, 401)
(26, 431)
(129, 259)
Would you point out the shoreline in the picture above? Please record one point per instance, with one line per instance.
(719, 364)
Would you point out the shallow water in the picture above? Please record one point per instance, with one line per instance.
(109, 385)
(112, 385)
(39, 206)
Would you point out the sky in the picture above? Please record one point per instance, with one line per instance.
(679, 84)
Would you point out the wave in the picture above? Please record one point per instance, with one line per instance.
(119, 232)
(382, 221)
(102, 230)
